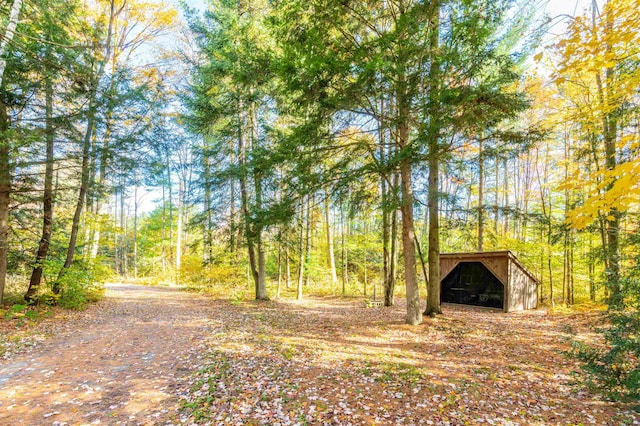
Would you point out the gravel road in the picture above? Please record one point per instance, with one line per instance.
(125, 361)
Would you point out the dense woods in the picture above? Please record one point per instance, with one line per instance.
(285, 148)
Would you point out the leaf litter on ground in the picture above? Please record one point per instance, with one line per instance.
(333, 361)
(161, 356)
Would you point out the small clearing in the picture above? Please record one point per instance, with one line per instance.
(146, 356)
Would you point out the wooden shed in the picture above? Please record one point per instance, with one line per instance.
(492, 279)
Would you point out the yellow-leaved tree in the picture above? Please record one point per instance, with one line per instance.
(599, 76)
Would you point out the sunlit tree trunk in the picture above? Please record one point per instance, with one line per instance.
(135, 229)
(433, 296)
(124, 249)
(261, 276)
(345, 251)
(14, 15)
(389, 223)
(5, 160)
(170, 194)
(610, 129)
(301, 252)
(505, 195)
(232, 215)
(330, 252)
(279, 286)
(86, 146)
(393, 252)
(208, 225)
(307, 238)
(480, 196)
(287, 266)
(98, 192)
(116, 247)
(566, 272)
(545, 202)
(414, 314)
(163, 231)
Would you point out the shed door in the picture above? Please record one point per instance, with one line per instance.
(471, 283)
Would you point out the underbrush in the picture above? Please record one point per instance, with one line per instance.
(241, 287)
(81, 285)
(230, 278)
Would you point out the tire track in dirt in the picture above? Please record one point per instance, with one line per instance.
(125, 361)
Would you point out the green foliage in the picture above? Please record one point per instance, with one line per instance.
(81, 285)
(614, 368)
(16, 310)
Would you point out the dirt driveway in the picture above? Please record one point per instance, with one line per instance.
(124, 361)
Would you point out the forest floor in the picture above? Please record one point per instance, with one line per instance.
(145, 356)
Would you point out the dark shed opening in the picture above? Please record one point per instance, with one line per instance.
(471, 283)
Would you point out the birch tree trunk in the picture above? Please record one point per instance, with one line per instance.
(5, 160)
(14, 16)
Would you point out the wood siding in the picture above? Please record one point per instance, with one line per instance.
(520, 285)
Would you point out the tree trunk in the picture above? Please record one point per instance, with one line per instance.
(47, 199)
(496, 207)
(610, 129)
(86, 146)
(5, 160)
(123, 225)
(566, 274)
(232, 215)
(592, 272)
(307, 239)
(77, 215)
(433, 296)
(390, 279)
(287, 266)
(9, 32)
(547, 215)
(301, 252)
(330, 253)
(279, 269)
(135, 230)
(414, 314)
(433, 256)
(244, 196)
(261, 282)
(208, 225)
(505, 193)
(386, 230)
(116, 248)
(170, 190)
(5, 196)
(163, 234)
(179, 228)
(102, 173)
(345, 260)
(481, 197)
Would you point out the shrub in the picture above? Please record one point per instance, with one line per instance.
(80, 285)
(614, 368)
